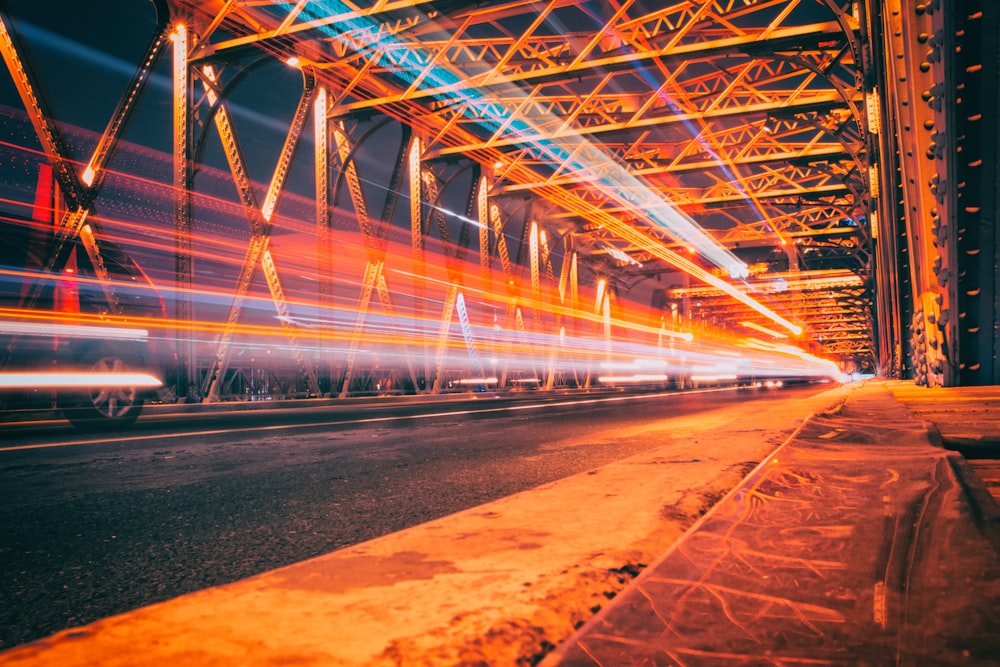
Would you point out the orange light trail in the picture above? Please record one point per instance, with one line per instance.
(550, 334)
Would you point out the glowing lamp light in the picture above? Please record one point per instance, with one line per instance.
(293, 61)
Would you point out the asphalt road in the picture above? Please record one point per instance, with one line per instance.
(96, 525)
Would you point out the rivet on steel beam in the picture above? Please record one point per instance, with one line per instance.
(928, 7)
(938, 187)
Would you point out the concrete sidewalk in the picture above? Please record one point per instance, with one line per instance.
(499, 584)
(858, 542)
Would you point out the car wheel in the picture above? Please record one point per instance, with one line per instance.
(99, 407)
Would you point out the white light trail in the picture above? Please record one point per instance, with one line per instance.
(73, 331)
(75, 379)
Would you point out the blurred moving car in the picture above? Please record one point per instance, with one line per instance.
(72, 340)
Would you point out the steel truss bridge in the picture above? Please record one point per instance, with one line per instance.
(541, 192)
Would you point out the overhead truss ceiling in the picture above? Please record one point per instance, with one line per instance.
(747, 118)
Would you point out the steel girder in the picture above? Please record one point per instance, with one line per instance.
(849, 135)
(940, 132)
(258, 256)
(746, 116)
(78, 190)
(823, 297)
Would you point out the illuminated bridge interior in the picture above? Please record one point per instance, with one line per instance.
(244, 200)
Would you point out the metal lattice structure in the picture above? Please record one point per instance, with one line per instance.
(815, 169)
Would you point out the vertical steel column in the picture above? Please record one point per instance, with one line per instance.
(416, 204)
(324, 255)
(417, 241)
(923, 107)
(891, 298)
(599, 302)
(560, 332)
(569, 280)
(483, 217)
(187, 381)
(606, 315)
(501, 241)
(546, 258)
(536, 284)
(513, 312)
(574, 283)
